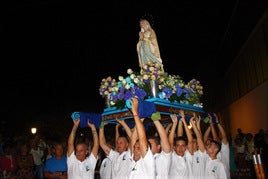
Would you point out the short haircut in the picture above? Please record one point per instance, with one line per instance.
(156, 139)
(183, 138)
(217, 144)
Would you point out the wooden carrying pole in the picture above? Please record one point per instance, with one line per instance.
(258, 166)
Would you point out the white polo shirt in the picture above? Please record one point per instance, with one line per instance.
(106, 169)
(81, 170)
(215, 169)
(181, 167)
(144, 168)
(162, 164)
(120, 163)
(224, 156)
(199, 162)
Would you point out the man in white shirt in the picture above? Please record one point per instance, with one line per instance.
(143, 164)
(106, 168)
(120, 158)
(79, 165)
(214, 167)
(161, 149)
(181, 162)
(224, 154)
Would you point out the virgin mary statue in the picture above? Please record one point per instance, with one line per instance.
(147, 47)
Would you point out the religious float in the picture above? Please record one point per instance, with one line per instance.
(157, 90)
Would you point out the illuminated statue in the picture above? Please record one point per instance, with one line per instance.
(147, 46)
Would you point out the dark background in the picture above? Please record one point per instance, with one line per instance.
(55, 53)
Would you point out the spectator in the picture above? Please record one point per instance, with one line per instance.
(25, 163)
(8, 163)
(56, 166)
(37, 152)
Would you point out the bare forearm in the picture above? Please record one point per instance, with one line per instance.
(213, 131)
(198, 134)
(102, 141)
(127, 129)
(140, 130)
(172, 134)
(180, 130)
(163, 137)
(71, 140)
(223, 134)
(95, 147)
(72, 135)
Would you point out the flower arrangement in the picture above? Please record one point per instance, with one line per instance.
(197, 92)
(107, 86)
(174, 88)
(151, 71)
(128, 87)
(171, 87)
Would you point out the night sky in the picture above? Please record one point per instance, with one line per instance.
(56, 53)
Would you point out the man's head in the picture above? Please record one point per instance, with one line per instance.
(180, 145)
(58, 150)
(81, 151)
(122, 144)
(155, 144)
(213, 148)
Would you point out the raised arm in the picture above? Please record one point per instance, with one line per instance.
(206, 134)
(163, 136)
(133, 139)
(168, 128)
(187, 131)
(125, 126)
(198, 121)
(105, 147)
(171, 136)
(198, 134)
(180, 129)
(222, 131)
(117, 132)
(95, 148)
(213, 130)
(139, 127)
(72, 137)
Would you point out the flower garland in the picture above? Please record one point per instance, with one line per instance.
(171, 87)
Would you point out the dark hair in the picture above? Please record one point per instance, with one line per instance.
(156, 139)
(124, 136)
(150, 146)
(183, 138)
(217, 144)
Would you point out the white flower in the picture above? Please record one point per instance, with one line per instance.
(132, 76)
(121, 78)
(151, 68)
(127, 86)
(129, 71)
(145, 77)
(136, 80)
(115, 89)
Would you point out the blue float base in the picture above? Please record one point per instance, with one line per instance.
(165, 107)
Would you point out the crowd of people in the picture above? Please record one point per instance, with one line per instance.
(179, 149)
(243, 148)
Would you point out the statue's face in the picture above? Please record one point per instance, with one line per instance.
(144, 25)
